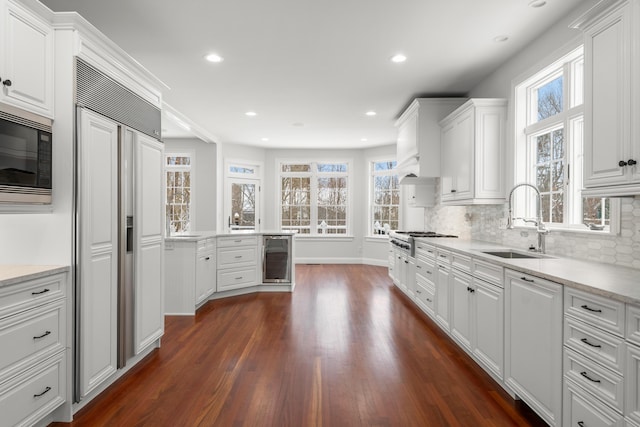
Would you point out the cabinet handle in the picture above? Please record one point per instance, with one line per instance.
(207, 258)
(7, 83)
(442, 256)
(593, 310)
(420, 247)
(428, 272)
(453, 191)
(41, 292)
(631, 162)
(239, 278)
(527, 280)
(238, 256)
(42, 336)
(581, 423)
(46, 390)
(430, 251)
(419, 267)
(429, 300)
(237, 241)
(584, 374)
(584, 340)
(441, 266)
(418, 291)
(622, 163)
(406, 262)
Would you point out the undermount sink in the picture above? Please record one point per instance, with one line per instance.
(508, 253)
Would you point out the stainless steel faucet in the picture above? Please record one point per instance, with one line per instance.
(540, 228)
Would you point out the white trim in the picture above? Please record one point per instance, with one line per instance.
(370, 175)
(325, 237)
(192, 180)
(257, 177)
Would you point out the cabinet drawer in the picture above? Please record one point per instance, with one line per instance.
(425, 252)
(600, 346)
(31, 293)
(29, 397)
(487, 271)
(443, 257)
(582, 409)
(235, 257)
(236, 278)
(225, 242)
(31, 337)
(602, 383)
(426, 269)
(598, 311)
(461, 262)
(425, 293)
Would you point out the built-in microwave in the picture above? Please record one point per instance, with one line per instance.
(25, 156)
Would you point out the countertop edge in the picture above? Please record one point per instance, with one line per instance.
(17, 273)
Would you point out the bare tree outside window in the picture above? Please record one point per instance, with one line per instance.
(385, 198)
(178, 203)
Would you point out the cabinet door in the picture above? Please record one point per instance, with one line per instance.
(632, 383)
(205, 276)
(442, 296)
(149, 254)
(97, 249)
(533, 331)
(461, 308)
(26, 59)
(607, 99)
(407, 145)
(488, 323)
(448, 168)
(463, 155)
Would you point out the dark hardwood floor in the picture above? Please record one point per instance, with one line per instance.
(345, 349)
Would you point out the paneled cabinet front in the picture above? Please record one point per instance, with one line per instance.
(237, 263)
(26, 59)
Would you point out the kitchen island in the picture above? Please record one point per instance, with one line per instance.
(204, 265)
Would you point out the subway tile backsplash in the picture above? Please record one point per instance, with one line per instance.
(482, 222)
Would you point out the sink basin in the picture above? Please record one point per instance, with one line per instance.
(507, 253)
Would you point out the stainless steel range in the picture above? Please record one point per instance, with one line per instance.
(404, 240)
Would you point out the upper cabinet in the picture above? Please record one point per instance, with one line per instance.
(612, 98)
(473, 153)
(26, 60)
(418, 147)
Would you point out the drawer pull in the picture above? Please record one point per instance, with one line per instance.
(429, 300)
(593, 310)
(584, 374)
(418, 291)
(419, 267)
(581, 423)
(46, 390)
(442, 256)
(44, 291)
(584, 340)
(239, 278)
(238, 256)
(42, 336)
(429, 251)
(237, 241)
(429, 272)
(207, 258)
(527, 280)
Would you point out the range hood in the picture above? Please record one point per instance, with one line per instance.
(409, 173)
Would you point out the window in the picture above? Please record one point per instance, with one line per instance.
(179, 184)
(385, 197)
(549, 126)
(314, 197)
(242, 196)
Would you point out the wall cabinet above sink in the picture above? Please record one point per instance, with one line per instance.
(418, 146)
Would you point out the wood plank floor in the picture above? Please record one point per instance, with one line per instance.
(345, 349)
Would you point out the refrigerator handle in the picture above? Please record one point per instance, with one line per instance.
(129, 234)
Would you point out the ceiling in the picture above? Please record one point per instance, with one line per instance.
(310, 70)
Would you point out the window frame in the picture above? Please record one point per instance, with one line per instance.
(564, 62)
(371, 176)
(175, 168)
(314, 175)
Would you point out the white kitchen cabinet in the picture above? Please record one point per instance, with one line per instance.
(237, 262)
(418, 145)
(443, 289)
(612, 98)
(632, 372)
(149, 239)
(405, 273)
(533, 343)
(26, 59)
(35, 328)
(462, 308)
(191, 273)
(472, 153)
(582, 409)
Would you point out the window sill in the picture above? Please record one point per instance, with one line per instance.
(553, 229)
(321, 238)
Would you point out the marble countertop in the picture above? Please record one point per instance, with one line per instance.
(11, 274)
(608, 280)
(195, 236)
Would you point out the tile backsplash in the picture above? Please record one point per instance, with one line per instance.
(482, 222)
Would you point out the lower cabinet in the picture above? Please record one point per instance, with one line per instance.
(237, 262)
(582, 409)
(442, 309)
(34, 337)
(533, 343)
(205, 270)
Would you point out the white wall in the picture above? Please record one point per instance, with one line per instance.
(204, 181)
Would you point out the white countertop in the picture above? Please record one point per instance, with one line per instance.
(12, 274)
(608, 280)
(195, 236)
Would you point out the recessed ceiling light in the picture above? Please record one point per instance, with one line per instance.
(298, 124)
(398, 58)
(214, 57)
(251, 113)
(371, 113)
(500, 39)
(363, 139)
(264, 139)
(537, 3)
